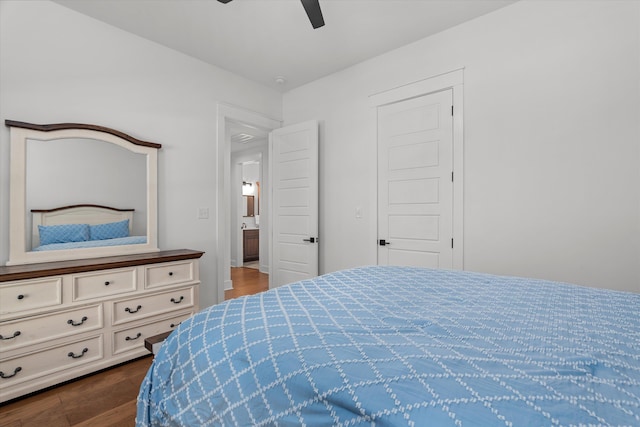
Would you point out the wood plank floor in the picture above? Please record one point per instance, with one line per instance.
(108, 398)
(246, 281)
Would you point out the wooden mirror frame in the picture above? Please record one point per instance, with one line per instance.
(20, 133)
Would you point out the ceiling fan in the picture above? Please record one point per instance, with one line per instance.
(312, 7)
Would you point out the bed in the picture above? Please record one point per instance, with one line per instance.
(396, 346)
(82, 226)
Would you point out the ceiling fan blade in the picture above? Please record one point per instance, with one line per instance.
(312, 7)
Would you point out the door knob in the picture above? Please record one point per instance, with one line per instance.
(310, 239)
(383, 242)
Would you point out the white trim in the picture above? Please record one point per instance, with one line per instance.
(421, 87)
(223, 193)
(452, 80)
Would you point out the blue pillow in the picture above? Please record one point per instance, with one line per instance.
(111, 230)
(63, 233)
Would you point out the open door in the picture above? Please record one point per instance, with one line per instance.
(294, 225)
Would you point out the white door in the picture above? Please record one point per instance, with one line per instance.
(415, 188)
(294, 171)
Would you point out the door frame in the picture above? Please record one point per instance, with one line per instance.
(453, 80)
(226, 113)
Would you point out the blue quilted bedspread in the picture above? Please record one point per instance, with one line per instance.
(131, 240)
(394, 346)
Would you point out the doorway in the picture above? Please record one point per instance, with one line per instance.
(249, 169)
(249, 241)
(233, 121)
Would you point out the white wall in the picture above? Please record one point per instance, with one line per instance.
(67, 172)
(60, 66)
(552, 141)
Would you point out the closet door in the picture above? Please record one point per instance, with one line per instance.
(415, 188)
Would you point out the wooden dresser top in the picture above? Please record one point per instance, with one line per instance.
(32, 271)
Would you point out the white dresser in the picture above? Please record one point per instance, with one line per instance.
(61, 320)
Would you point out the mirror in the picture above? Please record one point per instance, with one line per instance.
(66, 174)
(118, 179)
(251, 188)
(250, 199)
(249, 205)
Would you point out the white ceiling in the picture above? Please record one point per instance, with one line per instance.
(264, 39)
(244, 136)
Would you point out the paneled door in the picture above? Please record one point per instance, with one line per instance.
(294, 169)
(415, 188)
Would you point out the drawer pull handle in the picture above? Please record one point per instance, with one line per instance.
(129, 310)
(175, 301)
(171, 273)
(84, 350)
(134, 338)
(72, 323)
(15, 334)
(15, 371)
(107, 283)
(20, 296)
(173, 325)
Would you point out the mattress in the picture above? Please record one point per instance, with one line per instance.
(396, 346)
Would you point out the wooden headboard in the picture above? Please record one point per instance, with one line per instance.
(77, 214)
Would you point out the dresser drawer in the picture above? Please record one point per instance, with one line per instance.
(132, 338)
(36, 329)
(28, 295)
(45, 362)
(169, 274)
(150, 305)
(104, 283)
